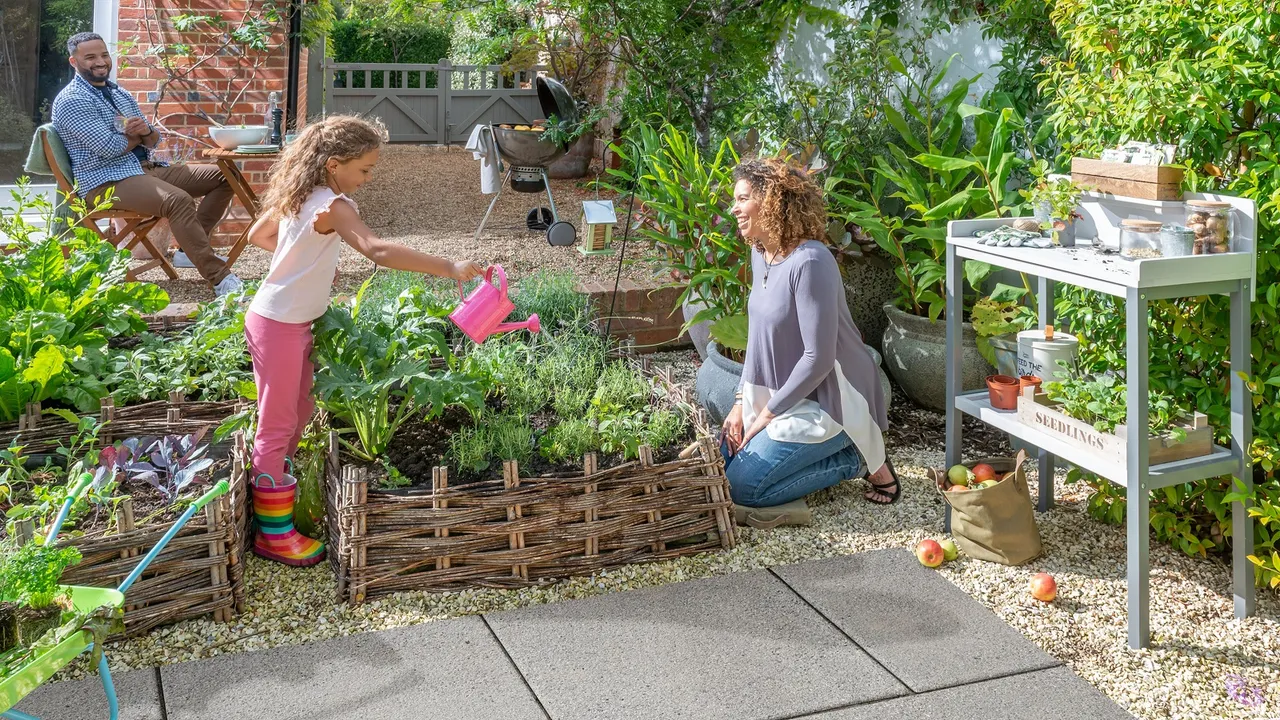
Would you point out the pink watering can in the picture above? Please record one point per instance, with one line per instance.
(481, 314)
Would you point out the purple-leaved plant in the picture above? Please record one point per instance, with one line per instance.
(169, 463)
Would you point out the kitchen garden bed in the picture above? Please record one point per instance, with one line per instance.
(524, 528)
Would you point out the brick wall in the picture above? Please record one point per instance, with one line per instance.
(227, 81)
(644, 312)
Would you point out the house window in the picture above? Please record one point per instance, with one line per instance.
(33, 67)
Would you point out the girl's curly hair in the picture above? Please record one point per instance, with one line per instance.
(792, 208)
(301, 168)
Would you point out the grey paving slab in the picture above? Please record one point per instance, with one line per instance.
(453, 669)
(741, 647)
(926, 631)
(1054, 693)
(85, 700)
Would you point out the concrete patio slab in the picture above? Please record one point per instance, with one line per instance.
(451, 669)
(923, 629)
(85, 700)
(1053, 693)
(742, 646)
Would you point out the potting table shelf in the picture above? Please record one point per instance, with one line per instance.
(1220, 462)
(1136, 283)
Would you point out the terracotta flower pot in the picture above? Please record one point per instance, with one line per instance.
(1002, 390)
(1026, 381)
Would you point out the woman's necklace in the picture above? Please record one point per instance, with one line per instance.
(768, 265)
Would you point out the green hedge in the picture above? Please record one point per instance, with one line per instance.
(363, 41)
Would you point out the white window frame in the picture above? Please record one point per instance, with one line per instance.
(106, 22)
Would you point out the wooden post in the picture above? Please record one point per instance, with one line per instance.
(213, 525)
(655, 516)
(107, 415)
(716, 493)
(127, 525)
(511, 479)
(589, 468)
(355, 490)
(440, 483)
(26, 529)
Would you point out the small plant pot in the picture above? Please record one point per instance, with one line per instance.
(34, 623)
(1002, 390)
(1027, 381)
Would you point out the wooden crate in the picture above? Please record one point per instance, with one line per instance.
(1146, 182)
(200, 572)
(1035, 409)
(524, 531)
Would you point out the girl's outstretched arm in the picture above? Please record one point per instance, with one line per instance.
(344, 219)
(265, 232)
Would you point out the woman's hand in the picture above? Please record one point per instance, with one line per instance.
(465, 270)
(761, 422)
(733, 429)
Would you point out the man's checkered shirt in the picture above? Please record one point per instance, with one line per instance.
(85, 121)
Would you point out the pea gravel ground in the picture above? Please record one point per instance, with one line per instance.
(429, 198)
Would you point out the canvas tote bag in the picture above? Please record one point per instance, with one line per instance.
(996, 523)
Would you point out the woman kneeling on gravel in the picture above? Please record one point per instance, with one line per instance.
(810, 399)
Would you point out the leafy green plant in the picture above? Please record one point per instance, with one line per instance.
(554, 297)
(57, 312)
(621, 431)
(663, 428)
(501, 437)
(374, 370)
(686, 198)
(29, 576)
(1101, 402)
(1060, 197)
(620, 388)
(568, 441)
(1001, 313)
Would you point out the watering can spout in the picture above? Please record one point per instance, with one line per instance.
(532, 324)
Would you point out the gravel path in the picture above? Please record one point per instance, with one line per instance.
(429, 198)
(1197, 645)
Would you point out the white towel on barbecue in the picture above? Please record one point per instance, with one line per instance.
(484, 149)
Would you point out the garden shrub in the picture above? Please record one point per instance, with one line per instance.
(1201, 74)
(388, 39)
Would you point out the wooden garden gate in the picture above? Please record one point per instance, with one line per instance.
(430, 103)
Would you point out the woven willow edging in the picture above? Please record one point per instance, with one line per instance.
(524, 531)
(200, 572)
(175, 416)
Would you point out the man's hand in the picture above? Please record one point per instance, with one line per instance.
(136, 127)
(733, 429)
(465, 270)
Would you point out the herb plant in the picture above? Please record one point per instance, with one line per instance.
(1101, 401)
(29, 576)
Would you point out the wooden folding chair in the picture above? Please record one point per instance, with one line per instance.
(134, 232)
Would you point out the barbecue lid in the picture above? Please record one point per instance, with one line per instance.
(556, 100)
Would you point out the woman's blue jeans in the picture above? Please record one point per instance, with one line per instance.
(767, 472)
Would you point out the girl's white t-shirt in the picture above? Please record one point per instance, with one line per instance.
(296, 288)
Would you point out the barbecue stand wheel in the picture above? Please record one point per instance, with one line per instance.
(562, 234)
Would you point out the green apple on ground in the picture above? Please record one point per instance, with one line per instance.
(930, 553)
(949, 550)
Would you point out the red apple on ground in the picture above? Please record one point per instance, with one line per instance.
(1043, 587)
(930, 553)
(949, 550)
(984, 472)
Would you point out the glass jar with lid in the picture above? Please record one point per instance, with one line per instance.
(1214, 225)
(1140, 239)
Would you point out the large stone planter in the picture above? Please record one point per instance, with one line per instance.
(700, 334)
(574, 163)
(717, 382)
(916, 352)
(869, 283)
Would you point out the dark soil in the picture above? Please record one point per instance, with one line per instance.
(913, 426)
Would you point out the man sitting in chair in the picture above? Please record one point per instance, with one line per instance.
(110, 147)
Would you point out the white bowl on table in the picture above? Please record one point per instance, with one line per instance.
(230, 137)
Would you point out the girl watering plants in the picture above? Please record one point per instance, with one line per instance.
(810, 410)
(308, 214)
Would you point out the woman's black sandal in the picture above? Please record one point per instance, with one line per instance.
(883, 490)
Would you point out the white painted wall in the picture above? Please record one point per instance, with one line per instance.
(810, 50)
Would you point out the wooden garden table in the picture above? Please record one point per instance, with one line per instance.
(227, 161)
(1136, 284)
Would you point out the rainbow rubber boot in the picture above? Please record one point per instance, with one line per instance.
(276, 538)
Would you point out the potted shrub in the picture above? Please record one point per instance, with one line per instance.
(29, 581)
(1055, 199)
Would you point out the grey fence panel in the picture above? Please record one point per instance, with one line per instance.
(431, 103)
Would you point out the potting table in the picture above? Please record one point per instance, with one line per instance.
(1137, 283)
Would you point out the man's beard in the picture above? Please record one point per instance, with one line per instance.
(94, 77)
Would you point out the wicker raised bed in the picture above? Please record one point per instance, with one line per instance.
(523, 531)
(200, 572)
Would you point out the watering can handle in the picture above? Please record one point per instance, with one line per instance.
(488, 277)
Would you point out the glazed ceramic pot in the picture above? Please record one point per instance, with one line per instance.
(915, 350)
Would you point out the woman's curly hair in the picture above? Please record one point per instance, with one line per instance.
(792, 208)
(301, 168)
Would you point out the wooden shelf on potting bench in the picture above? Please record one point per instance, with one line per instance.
(1136, 283)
